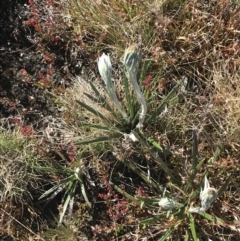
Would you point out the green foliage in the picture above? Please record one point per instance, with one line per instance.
(69, 184)
(117, 125)
(120, 121)
(180, 212)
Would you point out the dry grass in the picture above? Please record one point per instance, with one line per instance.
(19, 183)
(112, 23)
(16, 176)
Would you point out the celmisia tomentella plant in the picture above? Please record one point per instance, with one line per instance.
(131, 62)
(207, 196)
(105, 70)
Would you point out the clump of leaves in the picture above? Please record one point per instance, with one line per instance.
(176, 203)
(122, 120)
(69, 185)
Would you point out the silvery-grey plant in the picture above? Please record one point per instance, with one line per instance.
(105, 70)
(131, 62)
(169, 203)
(207, 196)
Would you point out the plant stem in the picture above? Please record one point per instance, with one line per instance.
(140, 97)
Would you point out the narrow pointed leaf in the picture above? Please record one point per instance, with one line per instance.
(217, 153)
(85, 195)
(95, 126)
(140, 173)
(214, 219)
(124, 193)
(61, 185)
(154, 219)
(156, 156)
(154, 143)
(192, 227)
(100, 100)
(70, 196)
(167, 234)
(54, 188)
(186, 237)
(98, 139)
(92, 110)
(129, 98)
(193, 175)
(164, 102)
(224, 186)
(194, 151)
(101, 103)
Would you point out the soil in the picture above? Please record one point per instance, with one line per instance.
(33, 62)
(20, 65)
